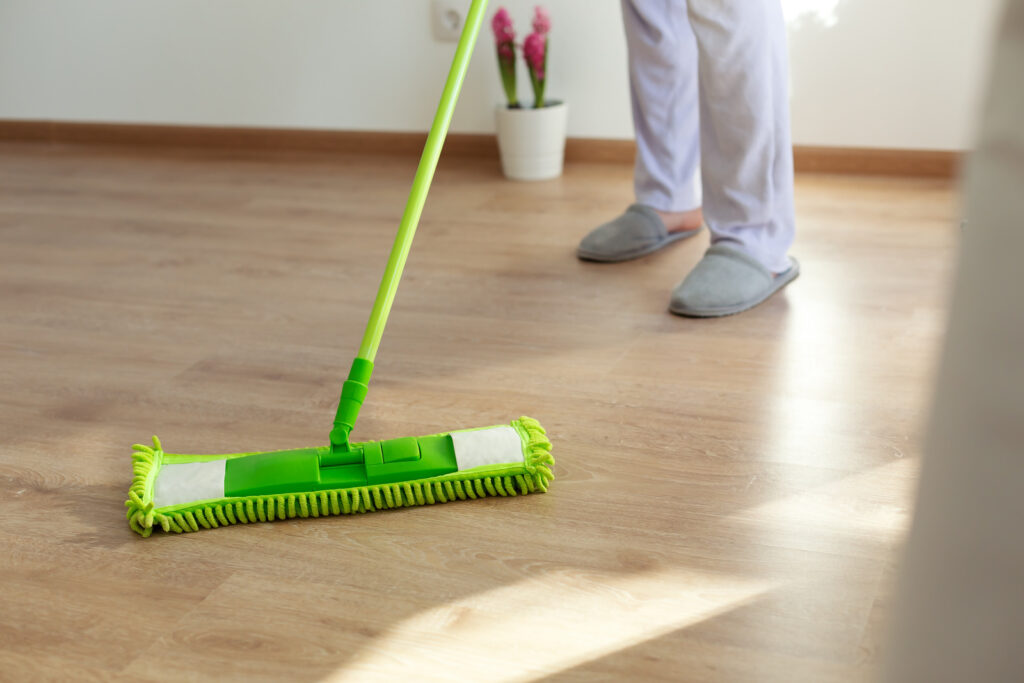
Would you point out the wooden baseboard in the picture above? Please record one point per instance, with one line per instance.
(807, 159)
(217, 137)
(868, 161)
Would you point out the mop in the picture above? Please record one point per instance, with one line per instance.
(182, 493)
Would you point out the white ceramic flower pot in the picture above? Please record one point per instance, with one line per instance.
(532, 141)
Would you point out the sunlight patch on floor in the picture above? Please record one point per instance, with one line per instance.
(546, 624)
(819, 375)
(841, 506)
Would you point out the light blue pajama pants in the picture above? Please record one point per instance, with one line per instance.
(708, 81)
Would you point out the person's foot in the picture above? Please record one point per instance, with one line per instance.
(682, 221)
(638, 232)
(727, 281)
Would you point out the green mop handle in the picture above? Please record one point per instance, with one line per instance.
(354, 390)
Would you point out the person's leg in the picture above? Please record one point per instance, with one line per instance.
(663, 88)
(662, 56)
(744, 127)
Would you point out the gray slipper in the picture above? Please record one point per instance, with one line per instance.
(727, 281)
(638, 232)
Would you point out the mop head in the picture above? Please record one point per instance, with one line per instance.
(182, 493)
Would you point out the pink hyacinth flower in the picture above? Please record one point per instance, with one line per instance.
(502, 26)
(533, 51)
(541, 21)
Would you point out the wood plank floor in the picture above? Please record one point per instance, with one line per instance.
(730, 494)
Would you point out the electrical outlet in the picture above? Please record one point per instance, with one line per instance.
(447, 17)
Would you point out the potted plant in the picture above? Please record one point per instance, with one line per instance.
(531, 136)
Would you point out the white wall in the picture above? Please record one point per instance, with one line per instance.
(877, 73)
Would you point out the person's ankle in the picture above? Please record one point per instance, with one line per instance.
(678, 221)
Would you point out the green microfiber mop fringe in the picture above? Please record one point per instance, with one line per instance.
(533, 476)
